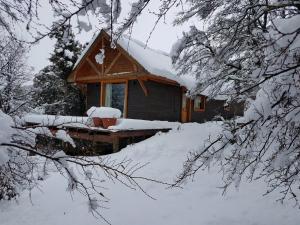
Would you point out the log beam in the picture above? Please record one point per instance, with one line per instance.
(142, 84)
(112, 63)
(93, 66)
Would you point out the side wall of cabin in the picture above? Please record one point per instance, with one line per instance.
(215, 108)
(162, 103)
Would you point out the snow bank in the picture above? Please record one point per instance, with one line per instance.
(199, 203)
(133, 124)
(104, 112)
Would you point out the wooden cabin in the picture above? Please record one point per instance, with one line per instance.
(140, 82)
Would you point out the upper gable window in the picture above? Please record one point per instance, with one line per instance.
(199, 104)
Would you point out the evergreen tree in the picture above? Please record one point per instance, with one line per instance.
(52, 93)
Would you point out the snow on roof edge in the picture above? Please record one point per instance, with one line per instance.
(158, 63)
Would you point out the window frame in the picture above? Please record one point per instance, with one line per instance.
(103, 93)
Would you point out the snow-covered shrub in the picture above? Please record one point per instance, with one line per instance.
(14, 72)
(256, 46)
(15, 167)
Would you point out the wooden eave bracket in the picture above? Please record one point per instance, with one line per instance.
(93, 66)
(142, 84)
(112, 63)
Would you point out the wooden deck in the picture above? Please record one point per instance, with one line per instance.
(113, 137)
(117, 139)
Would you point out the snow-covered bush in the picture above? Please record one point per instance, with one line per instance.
(15, 167)
(255, 45)
(14, 72)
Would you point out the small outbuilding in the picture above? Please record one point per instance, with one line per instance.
(140, 82)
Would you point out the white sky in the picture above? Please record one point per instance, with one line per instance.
(162, 38)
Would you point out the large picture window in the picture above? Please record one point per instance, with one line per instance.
(199, 104)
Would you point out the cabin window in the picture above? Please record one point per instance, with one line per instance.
(115, 96)
(199, 104)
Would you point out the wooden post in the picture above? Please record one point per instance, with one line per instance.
(102, 94)
(116, 144)
(125, 113)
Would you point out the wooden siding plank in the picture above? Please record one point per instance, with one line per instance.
(91, 136)
(162, 103)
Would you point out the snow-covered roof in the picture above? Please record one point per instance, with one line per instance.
(156, 62)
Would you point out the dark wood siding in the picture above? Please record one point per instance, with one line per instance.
(162, 103)
(214, 108)
(93, 95)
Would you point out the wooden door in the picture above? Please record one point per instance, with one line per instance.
(185, 108)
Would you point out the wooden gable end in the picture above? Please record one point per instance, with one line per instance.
(117, 63)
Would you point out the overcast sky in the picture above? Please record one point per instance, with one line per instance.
(162, 38)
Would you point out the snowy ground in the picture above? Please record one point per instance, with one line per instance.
(199, 203)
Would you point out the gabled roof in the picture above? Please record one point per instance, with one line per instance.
(155, 62)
